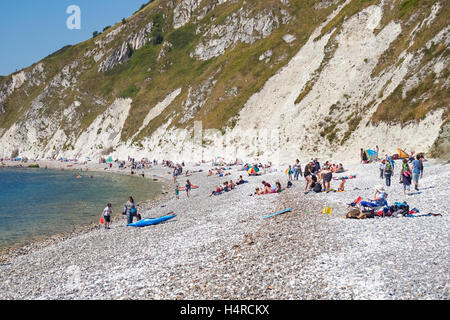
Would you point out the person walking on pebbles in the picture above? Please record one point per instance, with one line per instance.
(297, 169)
(107, 212)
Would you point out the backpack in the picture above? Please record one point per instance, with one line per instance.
(388, 168)
(317, 188)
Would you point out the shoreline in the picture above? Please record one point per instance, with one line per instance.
(10, 252)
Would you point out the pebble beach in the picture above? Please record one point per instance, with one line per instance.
(221, 247)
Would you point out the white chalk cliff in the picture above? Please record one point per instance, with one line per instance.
(331, 95)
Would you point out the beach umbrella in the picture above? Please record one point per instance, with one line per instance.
(253, 170)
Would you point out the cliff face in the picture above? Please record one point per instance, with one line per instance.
(277, 79)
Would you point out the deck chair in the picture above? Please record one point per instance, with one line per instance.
(354, 203)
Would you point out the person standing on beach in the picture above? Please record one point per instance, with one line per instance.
(382, 166)
(406, 176)
(188, 188)
(308, 176)
(297, 169)
(177, 191)
(388, 171)
(289, 172)
(130, 209)
(316, 167)
(175, 174)
(107, 212)
(327, 176)
(416, 171)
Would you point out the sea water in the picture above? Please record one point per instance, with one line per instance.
(38, 203)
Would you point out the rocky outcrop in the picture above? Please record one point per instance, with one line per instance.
(140, 39)
(197, 98)
(35, 77)
(118, 56)
(124, 52)
(183, 12)
(241, 26)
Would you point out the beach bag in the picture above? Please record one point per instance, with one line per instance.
(133, 211)
(317, 188)
(353, 213)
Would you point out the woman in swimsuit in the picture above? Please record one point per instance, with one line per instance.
(308, 176)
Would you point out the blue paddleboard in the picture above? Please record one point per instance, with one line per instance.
(277, 213)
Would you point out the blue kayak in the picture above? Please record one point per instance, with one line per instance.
(151, 221)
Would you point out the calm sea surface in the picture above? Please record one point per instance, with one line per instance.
(37, 203)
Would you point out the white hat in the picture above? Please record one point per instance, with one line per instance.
(380, 188)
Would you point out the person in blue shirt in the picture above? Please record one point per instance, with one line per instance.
(416, 166)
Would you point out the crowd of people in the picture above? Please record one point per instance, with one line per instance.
(318, 178)
(411, 172)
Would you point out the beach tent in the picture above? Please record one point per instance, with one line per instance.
(371, 154)
(402, 154)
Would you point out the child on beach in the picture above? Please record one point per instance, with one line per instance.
(289, 172)
(342, 185)
(277, 189)
(188, 188)
(177, 192)
(107, 215)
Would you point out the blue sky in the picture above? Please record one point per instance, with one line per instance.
(30, 30)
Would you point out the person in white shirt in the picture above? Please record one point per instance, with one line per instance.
(107, 212)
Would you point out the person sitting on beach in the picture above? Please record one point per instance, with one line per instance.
(232, 185)
(277, 188)
(259, 191)
(342, 185)
(240, 180)
(107, 212)
(379, 199)
(216, 192)
(267, 187)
